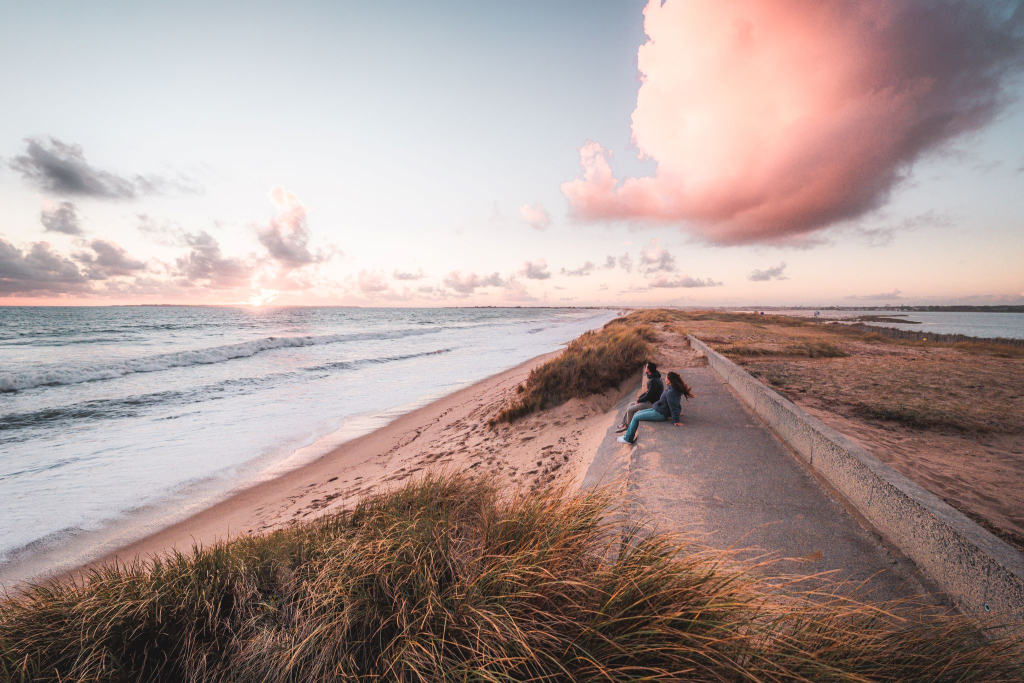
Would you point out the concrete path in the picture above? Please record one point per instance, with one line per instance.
(726, 477)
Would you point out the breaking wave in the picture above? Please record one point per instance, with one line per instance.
(62, 375)
(13, 424)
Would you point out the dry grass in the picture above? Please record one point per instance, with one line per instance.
(594, 362)
(447, 580)
(970, 388)
(813, 349)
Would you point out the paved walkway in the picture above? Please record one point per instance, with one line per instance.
(726, 477)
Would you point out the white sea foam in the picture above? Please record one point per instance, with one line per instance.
(60, 375)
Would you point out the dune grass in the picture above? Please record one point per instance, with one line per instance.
(592, 363)
(446, 579)
(809, 349)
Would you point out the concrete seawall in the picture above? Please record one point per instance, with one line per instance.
(980, 573)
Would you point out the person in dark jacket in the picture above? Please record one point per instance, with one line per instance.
(668, 407)
(646, 400)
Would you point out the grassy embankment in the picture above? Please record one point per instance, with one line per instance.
(592, 363)
(449, 579)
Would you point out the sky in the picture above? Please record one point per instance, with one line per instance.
(584, 153)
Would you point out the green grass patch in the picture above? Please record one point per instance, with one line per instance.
(446, 579)
(592, 363)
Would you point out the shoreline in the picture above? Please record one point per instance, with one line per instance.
(381, 458)
(253, 508)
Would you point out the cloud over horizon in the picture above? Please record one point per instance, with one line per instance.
(536, 216)
(655, 258)
(664, 281)
(286, 235)
(62, 217)
(204, 262)
(107, 259)
(774, 273)
(60, 168)
(773, 119)
(583, 270)
(892, 294)
(467, 283)
(535, 270)
(408, 275)
(37, 271)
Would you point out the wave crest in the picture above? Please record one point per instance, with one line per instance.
(61, 375)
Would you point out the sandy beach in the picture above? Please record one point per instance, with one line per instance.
(449, 434)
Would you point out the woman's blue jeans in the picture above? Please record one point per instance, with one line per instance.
(649, 415)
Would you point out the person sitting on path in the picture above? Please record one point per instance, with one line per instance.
(646, 400)
(668, 406)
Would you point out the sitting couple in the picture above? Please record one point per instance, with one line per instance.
(656, 404)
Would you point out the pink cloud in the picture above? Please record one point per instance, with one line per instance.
(655, 258)
(773, 118)
(372, 282)
(205, 263)
(467, 283)
(516, 291)
(37, 271)
(107, 259)
(536, 270)
(665, 282)
(286, 236)
(537, 216)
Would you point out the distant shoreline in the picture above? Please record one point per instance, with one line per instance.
(952, 308)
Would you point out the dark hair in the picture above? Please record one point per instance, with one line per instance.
(677, 383)
(651, 366)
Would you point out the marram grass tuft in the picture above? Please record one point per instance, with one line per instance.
(592, 363)
(449, 579)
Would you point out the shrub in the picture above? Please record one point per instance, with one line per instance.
(446, 579)
(594, 362)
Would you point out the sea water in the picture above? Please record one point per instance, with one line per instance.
(116, 421)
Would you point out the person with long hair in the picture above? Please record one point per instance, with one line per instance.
(669, 406)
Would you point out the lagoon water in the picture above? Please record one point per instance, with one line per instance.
(985, 325)
(117, 421)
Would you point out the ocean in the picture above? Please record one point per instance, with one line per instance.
(117, 421)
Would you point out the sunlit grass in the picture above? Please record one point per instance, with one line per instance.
(594, 362)
(447, 579)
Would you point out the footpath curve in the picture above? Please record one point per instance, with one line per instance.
(728, 479)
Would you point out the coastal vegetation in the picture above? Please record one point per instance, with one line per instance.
(592, 363)
(450, 579)
(968, 388)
